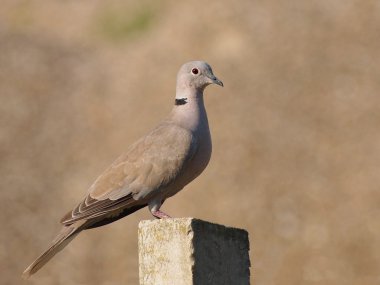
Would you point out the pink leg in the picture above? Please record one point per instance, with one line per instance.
(160, 215)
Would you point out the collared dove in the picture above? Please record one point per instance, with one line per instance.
(153, 169)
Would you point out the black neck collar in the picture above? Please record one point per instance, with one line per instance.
(181, 101)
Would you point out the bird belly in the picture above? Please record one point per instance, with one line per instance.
(193, 169)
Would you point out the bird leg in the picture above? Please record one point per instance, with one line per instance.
(154, 208)
(160, 215)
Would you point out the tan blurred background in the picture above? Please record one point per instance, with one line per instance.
(296, 137)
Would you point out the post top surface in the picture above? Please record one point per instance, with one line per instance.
(192, 222)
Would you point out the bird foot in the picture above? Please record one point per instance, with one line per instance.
(160, 215)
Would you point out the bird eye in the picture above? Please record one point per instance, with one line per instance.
(195, 71)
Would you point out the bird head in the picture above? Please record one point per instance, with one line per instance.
(196, 75)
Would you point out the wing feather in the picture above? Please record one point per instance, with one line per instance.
(152, 162)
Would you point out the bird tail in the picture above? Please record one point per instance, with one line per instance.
(67, 234)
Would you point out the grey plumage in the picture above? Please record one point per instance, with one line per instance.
(153, 169)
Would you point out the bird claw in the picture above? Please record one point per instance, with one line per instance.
(160, 215)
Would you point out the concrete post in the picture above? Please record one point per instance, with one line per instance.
(188, 251)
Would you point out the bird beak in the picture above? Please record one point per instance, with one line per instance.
(216, 80)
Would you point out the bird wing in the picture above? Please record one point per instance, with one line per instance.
(152, 162)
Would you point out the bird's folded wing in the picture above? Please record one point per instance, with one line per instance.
(152, 162)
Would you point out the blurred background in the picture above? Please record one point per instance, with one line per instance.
(296, 155)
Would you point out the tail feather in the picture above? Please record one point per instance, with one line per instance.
(66, 235)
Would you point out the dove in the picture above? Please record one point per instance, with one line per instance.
(154, 168)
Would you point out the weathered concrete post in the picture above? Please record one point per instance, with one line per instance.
(188, 251)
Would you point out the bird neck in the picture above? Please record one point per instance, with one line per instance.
(186, 91)
(189, 110)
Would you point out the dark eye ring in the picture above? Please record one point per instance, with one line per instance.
(195, 71)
